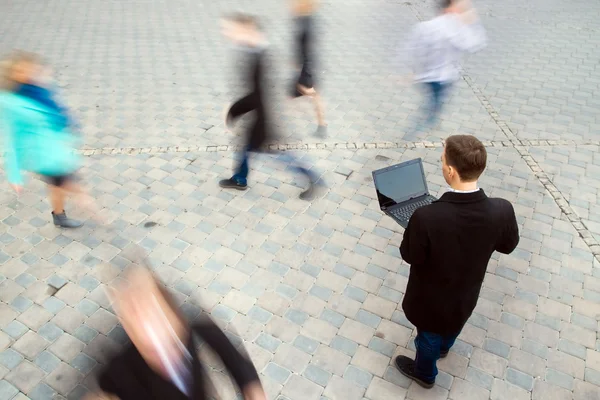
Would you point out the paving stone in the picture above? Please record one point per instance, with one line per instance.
(7, 391)
(291, 358)
(527, 363)
(63, 379)
(15, 329)
(542, 334)
(496, 347)
(339, 389)
(505, 391)
(42, 391)
(66, 347)
(519, 379)
(488, 362)
(10, 358)
(25, 376)
(344, 345)
(559, 378)
(305, 344)
(371, 361)
(464, 390)
(317, 375)
(565, 363)
(585, 390)
(299, 388)
(357, 332)
(277, 373)
(544, 390)
(383, 390)
(47, 361)
(331, 360)
(479, 378)
(30, 345)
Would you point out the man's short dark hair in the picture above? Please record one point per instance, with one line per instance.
(467, 155)
(443, 4)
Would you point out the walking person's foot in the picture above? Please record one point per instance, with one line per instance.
(406, 366)
(313, 191)
(232, 184)
(321, 131)
(61, 220)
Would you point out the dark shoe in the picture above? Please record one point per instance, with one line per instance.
(406, 366)
(321, 131)
(314, 190)
(443, 354)
(232, 184)
(63, 221)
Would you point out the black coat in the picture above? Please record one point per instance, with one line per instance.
(259, 132)
(129, 377)
(448, 245)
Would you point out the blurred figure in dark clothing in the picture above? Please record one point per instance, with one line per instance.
(245, 32)
(162, 362)
(303, 12)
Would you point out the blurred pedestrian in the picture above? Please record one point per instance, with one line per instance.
(448, 245)
(304, 19)
(39, 135)
(162, 360)
(434, 50)
(245, 32)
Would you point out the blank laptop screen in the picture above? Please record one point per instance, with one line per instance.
(400, 184)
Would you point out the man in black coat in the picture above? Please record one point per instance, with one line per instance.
(448, 245)
(244, 31)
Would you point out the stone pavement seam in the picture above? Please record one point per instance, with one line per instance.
(521, 148)
(328, 146)
(540, 174)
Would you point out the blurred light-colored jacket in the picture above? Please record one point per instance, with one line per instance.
(34, 140)
(434, 48)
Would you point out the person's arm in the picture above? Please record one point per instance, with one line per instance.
(241, 369)
(11, 157)
(510, 236)
(415, 242)
(241, 107)
(467, 32)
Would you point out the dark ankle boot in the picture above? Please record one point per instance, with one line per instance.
(61, 220)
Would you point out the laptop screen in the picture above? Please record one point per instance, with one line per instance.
(400, 182)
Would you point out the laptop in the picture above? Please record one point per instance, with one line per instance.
(401, 189)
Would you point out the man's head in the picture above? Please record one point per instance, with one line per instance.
(463, 160)
(150, 317)
(20, 68)
(241, 28)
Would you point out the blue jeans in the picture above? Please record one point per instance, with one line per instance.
(242, 170)
(436, 93)
(429, 346)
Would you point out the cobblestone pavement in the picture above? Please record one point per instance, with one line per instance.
(312, 289)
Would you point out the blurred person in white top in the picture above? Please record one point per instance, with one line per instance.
(434, 49)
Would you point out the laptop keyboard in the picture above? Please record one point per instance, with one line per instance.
(405, 212)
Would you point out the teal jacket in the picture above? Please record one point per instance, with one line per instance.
(34, 139)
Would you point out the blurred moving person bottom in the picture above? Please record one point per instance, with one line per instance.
(303, 11)
(448, 245)
(245, 32)
(434, 50)
(38, 135)
(162, 361)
